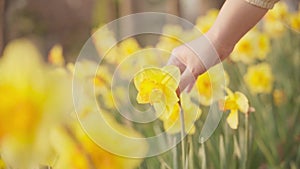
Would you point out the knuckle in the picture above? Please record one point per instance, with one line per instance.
(195, 70)
(176, 52)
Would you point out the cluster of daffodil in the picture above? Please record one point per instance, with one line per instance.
(254, 48)
(38, 125)
(158, 87)
(156, 84)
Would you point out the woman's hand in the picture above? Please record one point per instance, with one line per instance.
(235, 19)
(195, 57)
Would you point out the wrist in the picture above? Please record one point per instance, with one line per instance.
(222, 47)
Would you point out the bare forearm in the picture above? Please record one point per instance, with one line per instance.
(235, 19)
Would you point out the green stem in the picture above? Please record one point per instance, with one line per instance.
(182, 137)
(191, 148)
(246, 140)
(175, 164)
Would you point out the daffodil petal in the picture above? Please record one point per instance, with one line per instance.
(172, 124)
(191, 112)
(171, 97)
(147, 73)
(172, 76)
(161, 111)
(242, 102)
(232, 119)
(140, 100)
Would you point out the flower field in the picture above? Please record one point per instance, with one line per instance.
(102, 113)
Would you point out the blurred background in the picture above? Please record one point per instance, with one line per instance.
(38, 126)
(69, 22)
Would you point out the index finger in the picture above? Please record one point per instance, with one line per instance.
(176, 62)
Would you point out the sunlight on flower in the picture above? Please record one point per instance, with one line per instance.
(210, 86)
(234, 102)
(157, 85)
(33, 98)
(55, 56)
(259, 78)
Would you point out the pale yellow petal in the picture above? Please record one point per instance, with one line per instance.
(242, 102)
(173, 124)
(232, 119)
(172, 76)
(191, 111)
(161, 111)
(170, 97)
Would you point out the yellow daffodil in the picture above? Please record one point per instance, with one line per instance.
(157, 85)
(259, 78)
(106, 45)
(104, 40)
(116, 96)
(89, 72)
(102, 78)
(171, 117)
(254, 45)
(76, 150)
(34, 98)
(128, 47)
(210, 86)
(171, 38)
(70, 154)
(173, 32)
(294, 21)
(275, 20)
(172, 123)
(235, 102)
(144, 57)
(263, 46)
(204, 23)
(55, 56)
(245, 49)
(191, 111)
(189, 35)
